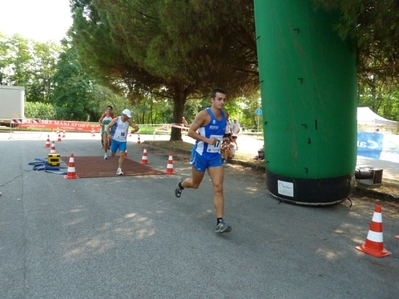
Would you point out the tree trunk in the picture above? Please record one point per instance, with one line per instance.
(179, 100)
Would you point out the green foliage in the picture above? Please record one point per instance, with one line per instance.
(16, 60)
(39, 110)
(381, 98)
(28, 63)
(73, 93)
(243, 109)
(161, 58)
(154, 47)
(104, 96)
(373, 28)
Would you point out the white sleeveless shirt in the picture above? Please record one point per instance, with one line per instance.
(121, 129)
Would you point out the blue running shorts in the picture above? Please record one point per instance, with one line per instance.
(201, 164)
(121, 145)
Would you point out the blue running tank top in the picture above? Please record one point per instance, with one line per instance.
(216, 129)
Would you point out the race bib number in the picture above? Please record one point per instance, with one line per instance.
(216, 147)
(121, 135)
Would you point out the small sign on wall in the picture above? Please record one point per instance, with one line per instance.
(285, 188)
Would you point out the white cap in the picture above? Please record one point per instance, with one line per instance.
(127, 113)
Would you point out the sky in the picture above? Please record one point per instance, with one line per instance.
(40, 20)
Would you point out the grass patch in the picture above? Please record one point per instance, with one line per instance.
(146, 130)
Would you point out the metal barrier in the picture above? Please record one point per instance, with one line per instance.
(19, 124)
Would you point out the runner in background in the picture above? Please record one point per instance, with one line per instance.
(108, 112)
(227, 132)
(235, 129)
(105, 120)
(120, 127)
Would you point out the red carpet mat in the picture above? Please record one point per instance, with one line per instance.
(97, 167)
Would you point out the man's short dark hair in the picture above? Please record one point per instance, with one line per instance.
(217, 90)
(109, 106)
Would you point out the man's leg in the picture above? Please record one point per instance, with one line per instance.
(121, 158)
(114, 148)
(196, 176)
(122, 149)
(194, 181)
(217, 177)
(105, 145)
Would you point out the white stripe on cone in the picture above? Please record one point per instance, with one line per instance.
(375, 236)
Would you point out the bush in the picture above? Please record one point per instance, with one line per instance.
(39, 110)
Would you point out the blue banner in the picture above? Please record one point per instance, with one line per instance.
(369, 144)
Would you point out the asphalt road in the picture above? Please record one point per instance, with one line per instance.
(129, 237)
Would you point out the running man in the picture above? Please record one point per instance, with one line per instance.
(119, 136)
(235, 129)
(210, 124)
(105, 119)
(108, 111)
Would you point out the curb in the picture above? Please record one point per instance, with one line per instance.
(370, 192)
(358, 189)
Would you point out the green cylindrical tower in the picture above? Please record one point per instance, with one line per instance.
(308, 88)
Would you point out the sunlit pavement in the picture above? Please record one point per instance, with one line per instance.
(130, 237)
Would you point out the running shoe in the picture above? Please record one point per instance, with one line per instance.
(178, 190)
(105, 156)
(119, 171)
(223, 227)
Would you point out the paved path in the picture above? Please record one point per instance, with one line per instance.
(248, 144)
(129, 237)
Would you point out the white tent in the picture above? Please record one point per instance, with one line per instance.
(368, 121)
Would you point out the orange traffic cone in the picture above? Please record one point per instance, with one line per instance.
(59, 137)
(63, 134)
(48, 144)
(71, 174)
(144, 158)
(169, 167)
(374, 244)
(138, 139)
(126, 154)
(52, 148)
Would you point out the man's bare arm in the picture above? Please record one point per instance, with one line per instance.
(135, 126)
(200, 120)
